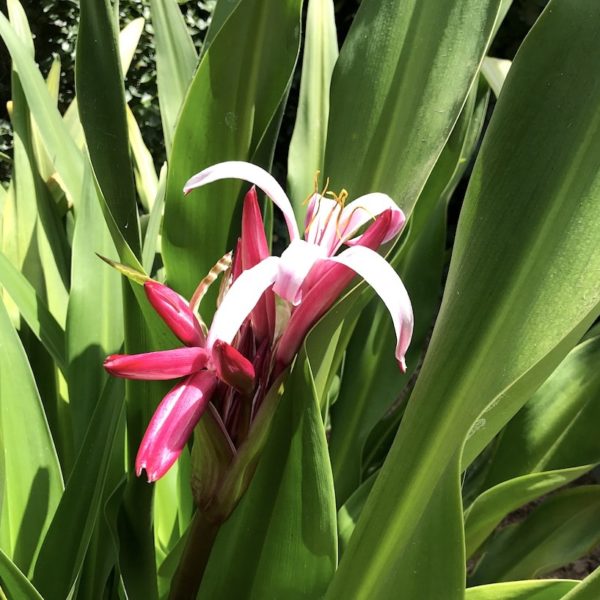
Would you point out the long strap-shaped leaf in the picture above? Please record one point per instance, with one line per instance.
(65, 545)
(307, 145)
(101, 103)
(31, 477)
(34, 311)
(13, 582)
(519, 291)
(282, 537)
(176, 61)
(67, 158)
(237, 89)
(398, 87)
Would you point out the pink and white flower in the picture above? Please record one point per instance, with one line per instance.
(310, 274)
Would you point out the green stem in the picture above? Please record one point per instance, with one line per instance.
(194, 559)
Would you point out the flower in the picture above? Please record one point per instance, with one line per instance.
(309, 275)
(203, 366)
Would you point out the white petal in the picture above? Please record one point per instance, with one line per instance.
(296, 262)
(385, 281)
(235, 169)
(322, 223)
(240, 299)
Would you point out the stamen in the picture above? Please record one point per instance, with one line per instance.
(319, 196)
(222, 266)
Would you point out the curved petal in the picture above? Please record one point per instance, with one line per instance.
(235, 169)
(377, 272)
(240, 299)
(295, 264)
(175, 312)
(173, 423)
(165, 364)
(365, 209)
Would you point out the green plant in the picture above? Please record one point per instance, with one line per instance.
(351, 479)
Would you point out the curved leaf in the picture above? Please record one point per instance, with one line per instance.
(282, 537)
(32, 482)
(66, 542)
(554, 589)
(34, 311)
(519, 292)
(13, 582)
(494, 504)
(408, 67)
(565, 527)
(101, 106)
(237, 89)
(176, 60)
(557, 427)
(307, 145)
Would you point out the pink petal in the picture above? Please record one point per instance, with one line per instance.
(165, 364)
(233, 368)
(249, 172)
(296, 262)
(314, 305)
(254, 241)
(173, 423)
(175, 312)
(240, 299)
(236, 261)
(379, 274)
(365, 209)
(254, 248)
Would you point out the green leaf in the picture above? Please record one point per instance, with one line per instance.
(488, 509)
(129, 38)
(588, 589)
(556, 428)
(235, 93)
(101, 106)
(372, 381)
(307, 145)
(151, 239)
(146, 180)
(425, 55)
(554, 589)
(176, 61)
(40, 244)
(519, 292)
(13, 582)
(350, 511)
(562, 529)
(66, 542)
(31, 482)
(67, 157)
(495, 71)
(94, 316)
(34, 311)
(282, 537)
